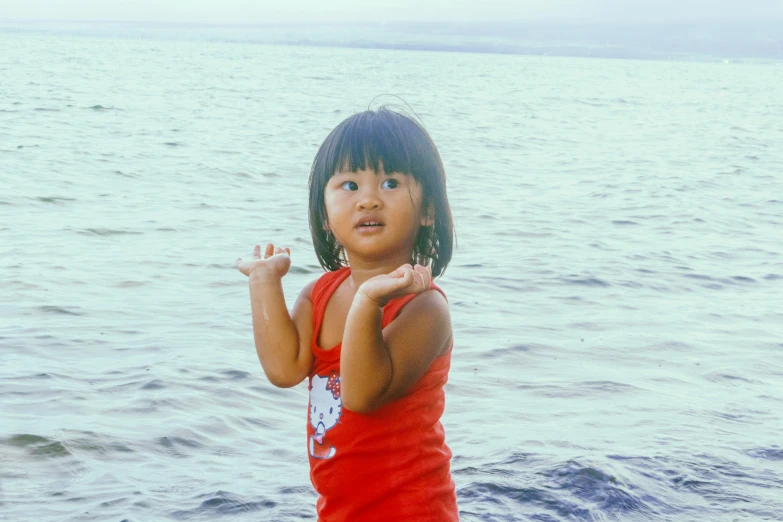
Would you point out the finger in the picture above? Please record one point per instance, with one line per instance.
(257, 251)
(281, 250)
(402, 270)
(418, 282)
(426, 276)
(270, 249)
(408, 276)
(401, 277)
(241, 266)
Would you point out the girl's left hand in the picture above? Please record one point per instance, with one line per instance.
(405, 280)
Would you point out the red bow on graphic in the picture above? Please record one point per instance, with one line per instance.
(333, 384)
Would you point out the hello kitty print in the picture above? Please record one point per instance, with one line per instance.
(326, 408)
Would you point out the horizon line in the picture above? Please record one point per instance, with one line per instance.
(538, 21)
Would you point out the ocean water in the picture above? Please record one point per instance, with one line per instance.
(615, 292)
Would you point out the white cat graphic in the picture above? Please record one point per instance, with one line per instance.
(326, 407)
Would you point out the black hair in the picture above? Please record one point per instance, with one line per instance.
(372, 139)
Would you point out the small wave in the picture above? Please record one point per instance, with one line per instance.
(223, 284)
(53, 449)
(699, 276)
(121, 173)
(171, 442)
(478, 499)
(53, 199)
(714, 479)
(50, 309)
(236, 374)
(155, 384)
(774, 453)
(38, 446)
(25, 439)
(588, 281)
(603, 490)
(296, 269)
(739, 418)
(728, 378)
(109, 232)
(130, 284)
(592, 103)
(710, 282)
(510, 350)
(587, 388)
(223, 503)
(119, 387)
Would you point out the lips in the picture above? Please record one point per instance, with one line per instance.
(367, 223)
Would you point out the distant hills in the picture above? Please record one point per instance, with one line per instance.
(727, 40)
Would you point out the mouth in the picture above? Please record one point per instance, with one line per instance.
(369, 224)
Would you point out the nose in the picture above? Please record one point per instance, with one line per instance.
(322, 416)
(369, 199)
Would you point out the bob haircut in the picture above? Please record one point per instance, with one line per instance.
(384, 137)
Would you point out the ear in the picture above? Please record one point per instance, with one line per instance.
(428, 215)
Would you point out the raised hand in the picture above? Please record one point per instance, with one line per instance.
(405, 280)
(276, 262)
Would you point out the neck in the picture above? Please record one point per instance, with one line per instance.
(364, 269)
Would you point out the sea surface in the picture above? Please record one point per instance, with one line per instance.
(616, 292)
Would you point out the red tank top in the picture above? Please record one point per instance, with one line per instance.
(389, 465)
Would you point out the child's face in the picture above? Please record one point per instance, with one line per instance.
(375, 216)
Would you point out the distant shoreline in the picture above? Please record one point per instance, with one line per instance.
(712, 42)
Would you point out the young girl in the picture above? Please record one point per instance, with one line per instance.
(373, 334)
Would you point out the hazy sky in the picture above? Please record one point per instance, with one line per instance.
(261, 11)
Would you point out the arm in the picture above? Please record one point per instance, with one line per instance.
(379, 366)
(282, 341)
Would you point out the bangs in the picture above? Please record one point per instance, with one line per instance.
(371, 140)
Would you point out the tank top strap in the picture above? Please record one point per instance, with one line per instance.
(323, 290)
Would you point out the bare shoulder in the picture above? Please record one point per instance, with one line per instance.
(303, 307)
(426, 318)
(307, 289)
(431, 302)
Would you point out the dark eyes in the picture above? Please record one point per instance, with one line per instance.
(390, 183)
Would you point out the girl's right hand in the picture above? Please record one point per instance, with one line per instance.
(275, 263)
